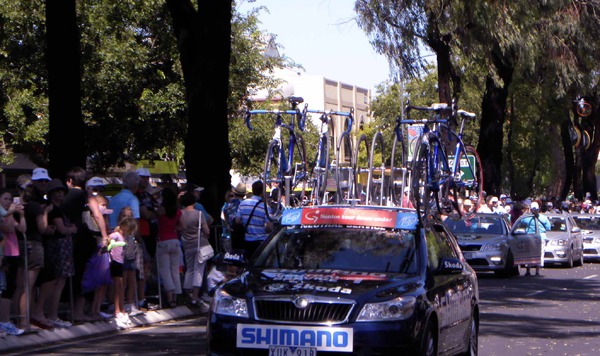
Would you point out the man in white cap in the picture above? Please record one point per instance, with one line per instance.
(538, 223)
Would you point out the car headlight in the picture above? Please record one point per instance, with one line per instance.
(395, 309)
(559, 242)
(225, 304)
(491, 247)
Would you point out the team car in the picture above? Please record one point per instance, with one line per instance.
(484, 241)
(339, 280)
(590, 229)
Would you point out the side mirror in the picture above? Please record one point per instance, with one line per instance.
(449, 265)
(576, 229)
(519, 231)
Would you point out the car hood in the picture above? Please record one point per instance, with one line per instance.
(468, 238)
(328, 283)
(556, 235)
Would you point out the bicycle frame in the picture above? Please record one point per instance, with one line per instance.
(280, 166)
(439, 178)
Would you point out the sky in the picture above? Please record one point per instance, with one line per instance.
(322, 36)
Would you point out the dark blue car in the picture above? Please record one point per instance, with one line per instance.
(350, 281)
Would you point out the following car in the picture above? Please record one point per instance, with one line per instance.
(483, 240)
(565, 241)
(590, 229)
(340, 280)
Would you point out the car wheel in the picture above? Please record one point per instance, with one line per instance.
(473, 346)
(428, 345)
(579, 261)
(509, 267)
(569, 263)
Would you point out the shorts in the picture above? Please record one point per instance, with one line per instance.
(35, 255)
(129, 265)
(116, 269)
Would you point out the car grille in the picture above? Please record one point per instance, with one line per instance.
(478, 262)
(470, 247)
(284, 310)
(588, 239)
(590, 251)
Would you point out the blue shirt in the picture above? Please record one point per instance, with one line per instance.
(256, 230)
(541, 221)
(124, 198)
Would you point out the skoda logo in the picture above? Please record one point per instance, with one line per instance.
(300, 302)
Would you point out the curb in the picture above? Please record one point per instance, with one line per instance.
(41, 337)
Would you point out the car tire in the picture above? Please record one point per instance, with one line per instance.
(473, 340)
(579, 261)
(510, 269)
(428, 345)
(569, 263)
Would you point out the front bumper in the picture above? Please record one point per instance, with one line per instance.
(372, 338)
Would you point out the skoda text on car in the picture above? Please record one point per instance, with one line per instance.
(483, 240)
(349, 281)
(590, 229)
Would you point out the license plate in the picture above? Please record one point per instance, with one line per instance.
(292, 351)
(468, 255)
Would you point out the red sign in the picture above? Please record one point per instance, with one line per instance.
(341, 216)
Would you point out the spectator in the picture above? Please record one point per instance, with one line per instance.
(543, 224)
(32, 195)
(9, 225)
(197, 191)
(127, 199)
(73, 205)
(148, 229)
(194, 270)
(127, 226)
(58, 258)
(259, 226)
(233, 198)
(168, 249)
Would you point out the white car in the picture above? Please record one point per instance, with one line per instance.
(590, 229)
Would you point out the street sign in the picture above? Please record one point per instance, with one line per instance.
(465, 172)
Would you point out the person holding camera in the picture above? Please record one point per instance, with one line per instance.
(540, 223)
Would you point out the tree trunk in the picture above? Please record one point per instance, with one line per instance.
(589, 155)
(64, 88)
(204, 44)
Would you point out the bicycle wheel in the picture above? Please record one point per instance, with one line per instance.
(320, 172)
(429, 172)
(299, 173)
(361, 169)
(273, 177)
(468, 184)
(376, 178)
(398, 174)
(344, 173)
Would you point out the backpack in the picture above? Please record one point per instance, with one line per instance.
(238, 230)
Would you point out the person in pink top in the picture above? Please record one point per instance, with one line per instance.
(127, 226)
(168, 249)
(14, 221)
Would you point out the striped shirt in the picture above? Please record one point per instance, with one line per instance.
(256, 228)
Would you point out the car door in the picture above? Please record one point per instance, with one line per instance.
(525, 244)
(577, 237)
(452, 293)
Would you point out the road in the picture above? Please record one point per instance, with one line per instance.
(520, 316)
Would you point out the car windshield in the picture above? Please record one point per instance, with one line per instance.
(558, 223)
(326, 248)
(588, 222)
(477, 225)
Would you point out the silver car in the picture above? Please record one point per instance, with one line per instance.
(565, 241)
(590, 229)
(483, 242)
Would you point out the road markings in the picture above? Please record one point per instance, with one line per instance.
(590, 277)
(535, 293)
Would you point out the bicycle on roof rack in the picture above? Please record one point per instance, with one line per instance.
(286, 169)
(327, 155)
(440, 183)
